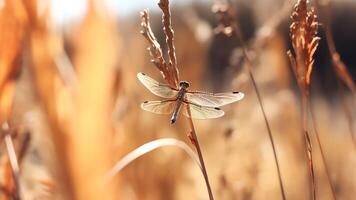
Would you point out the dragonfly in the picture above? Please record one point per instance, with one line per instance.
(197, 104)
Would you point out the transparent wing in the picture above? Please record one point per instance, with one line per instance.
(159, 107)
(159, 89)
(202, 112)
(213, 100)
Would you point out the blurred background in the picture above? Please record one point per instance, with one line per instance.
(76, 102)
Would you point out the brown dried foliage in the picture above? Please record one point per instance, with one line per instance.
(13, 20)
(342, 72)
(46, 80)
(343, 75)
(16, 147)
(324, 8)
(18, 18)
(303, 30)
(229, 26)
(79, 117)
(95, 62)
(169, 70)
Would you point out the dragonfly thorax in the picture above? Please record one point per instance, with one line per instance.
(184, 84)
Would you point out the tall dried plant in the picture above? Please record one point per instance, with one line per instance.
(13, 23)
(169, 70)
(303, 30)
(342, 73)
(229, 26)
(92, 128)
(79, 116)
(45, 77)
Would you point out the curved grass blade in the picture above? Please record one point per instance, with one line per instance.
(147, 148)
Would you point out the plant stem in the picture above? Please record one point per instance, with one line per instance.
(194, 139)
(307, 143)
(347, 112)
(13, 159)
(322, 153)
(147, 148)
(259, 97)
(342, 74)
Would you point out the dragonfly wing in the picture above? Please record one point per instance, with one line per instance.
(159, 89)
(213, 99)
(159, 107)
(202, 112)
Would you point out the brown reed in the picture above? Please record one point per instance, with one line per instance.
(303, 30)
(339, 67)
(11, 165)
(43, 68)
(230, 27)
(327, 169)
(13, 22)
(324, 9)
(169, 70)
(80, 115)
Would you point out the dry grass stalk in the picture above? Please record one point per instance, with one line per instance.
(303, 29)
(229, 26)
(324, 8)
(92, 129)
(9, 185)
(12, 161)
(147, 148)
(80, 122)
(16, 149)
(304, 38)
(13, 21)
(168, 30)
(343, 75)
(194, 140)
(11, 167)
(45, 79)
(348, 112)
(339, 67)
(169, 70)
(156, 52)
(327, 170)
(15, 169)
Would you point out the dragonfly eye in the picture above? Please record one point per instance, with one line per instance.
(184, 84)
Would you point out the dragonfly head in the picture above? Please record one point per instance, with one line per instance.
(184, 84)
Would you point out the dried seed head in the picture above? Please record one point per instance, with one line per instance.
(303, 30)
(168, 69)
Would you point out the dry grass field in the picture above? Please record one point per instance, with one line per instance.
(71, 121)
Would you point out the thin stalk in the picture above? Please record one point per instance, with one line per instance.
(322, 153)
(169, 70)
(14, 164)
(347, 112)
(194, 139)
(307, 143)
(338, 66)
(259, 97)
(13, 160)
(307, 140)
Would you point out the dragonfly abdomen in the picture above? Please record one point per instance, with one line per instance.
(180, 99)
